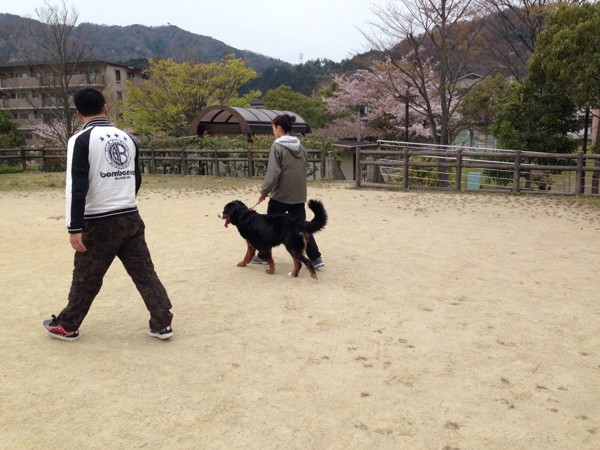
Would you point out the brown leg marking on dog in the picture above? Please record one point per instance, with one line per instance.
(248, 256)
(297, 267)
(271, 269)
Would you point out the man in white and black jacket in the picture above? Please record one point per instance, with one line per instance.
(103, 177)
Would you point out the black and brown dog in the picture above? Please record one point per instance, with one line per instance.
(265, 231)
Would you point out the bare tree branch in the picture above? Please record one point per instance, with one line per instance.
(60, 60)
(432, 43)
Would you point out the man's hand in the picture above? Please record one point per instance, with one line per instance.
(77, 242)
(262, 198)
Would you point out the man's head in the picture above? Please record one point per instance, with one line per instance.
(89, 102)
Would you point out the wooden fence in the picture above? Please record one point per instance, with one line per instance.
(391, 165)
(240, 162)
(414, 166)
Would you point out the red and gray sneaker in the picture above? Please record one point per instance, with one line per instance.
(54, 329)
(165, 333)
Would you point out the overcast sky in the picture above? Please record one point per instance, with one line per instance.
(280, 29)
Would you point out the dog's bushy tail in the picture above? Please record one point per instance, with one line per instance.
(320, 219)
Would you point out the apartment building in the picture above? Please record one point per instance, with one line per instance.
(27, 91)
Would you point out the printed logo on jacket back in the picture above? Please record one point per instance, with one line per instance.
(117, 153)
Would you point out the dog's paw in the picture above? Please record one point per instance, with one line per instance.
(241, 264)
(270, 272)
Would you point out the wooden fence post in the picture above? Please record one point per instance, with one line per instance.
(517, 173)
(458, 176)
(580, 175)
(358, 167)
(216, 171)
(250, 164)
(23, 160)
(405, 169)
(152, 161)
(184, 163)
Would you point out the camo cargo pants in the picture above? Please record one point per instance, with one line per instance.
(105, 239)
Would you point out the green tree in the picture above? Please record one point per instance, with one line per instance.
(566, 57)
(175, 92)
(479, 105)
(9, 137)
(312, 110)
(532, 120)
(566, 54)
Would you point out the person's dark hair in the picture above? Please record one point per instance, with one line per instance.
(285, 121)
(89, 101)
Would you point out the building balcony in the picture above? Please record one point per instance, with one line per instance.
(14, 84)
(24, 103)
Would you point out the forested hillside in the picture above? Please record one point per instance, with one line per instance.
(138, 43)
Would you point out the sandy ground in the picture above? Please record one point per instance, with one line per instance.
(441, 321)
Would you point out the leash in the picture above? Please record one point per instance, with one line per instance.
(255, 205)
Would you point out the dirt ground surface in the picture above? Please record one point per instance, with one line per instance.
(441, 321)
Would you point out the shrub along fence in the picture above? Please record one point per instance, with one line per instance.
(423, 166)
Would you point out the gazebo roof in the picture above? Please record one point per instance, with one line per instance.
(238, 120)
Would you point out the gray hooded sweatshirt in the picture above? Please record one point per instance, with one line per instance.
(285, 180)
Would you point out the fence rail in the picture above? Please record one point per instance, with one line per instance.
(419, 166)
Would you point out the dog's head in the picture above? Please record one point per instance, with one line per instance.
(233, 211)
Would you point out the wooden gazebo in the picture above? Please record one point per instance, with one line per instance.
(237, 120)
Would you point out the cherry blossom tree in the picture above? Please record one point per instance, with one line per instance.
(389, 95)
(431, 43)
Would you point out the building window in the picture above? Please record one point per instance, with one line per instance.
(119, 95)
(22, 95)
(118, 75)
(46, 100)
(130, 75)
(24, 116)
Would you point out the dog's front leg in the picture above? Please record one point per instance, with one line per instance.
(271, 269)
(250, 250)
(297, 267)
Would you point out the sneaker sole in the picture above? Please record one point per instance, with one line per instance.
(159, 336)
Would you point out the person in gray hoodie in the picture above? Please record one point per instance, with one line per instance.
(285, 181)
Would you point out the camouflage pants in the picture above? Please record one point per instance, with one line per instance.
(105, 239)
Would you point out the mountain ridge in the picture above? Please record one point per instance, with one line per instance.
(120, 44)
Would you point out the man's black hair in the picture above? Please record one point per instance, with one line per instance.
(89, 101)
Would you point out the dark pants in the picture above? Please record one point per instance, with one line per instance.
(295, 210)
(123, 237)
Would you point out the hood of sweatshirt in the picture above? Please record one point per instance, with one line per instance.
(292, 143)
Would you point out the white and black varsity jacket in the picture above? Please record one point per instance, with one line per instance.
(103, 174)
